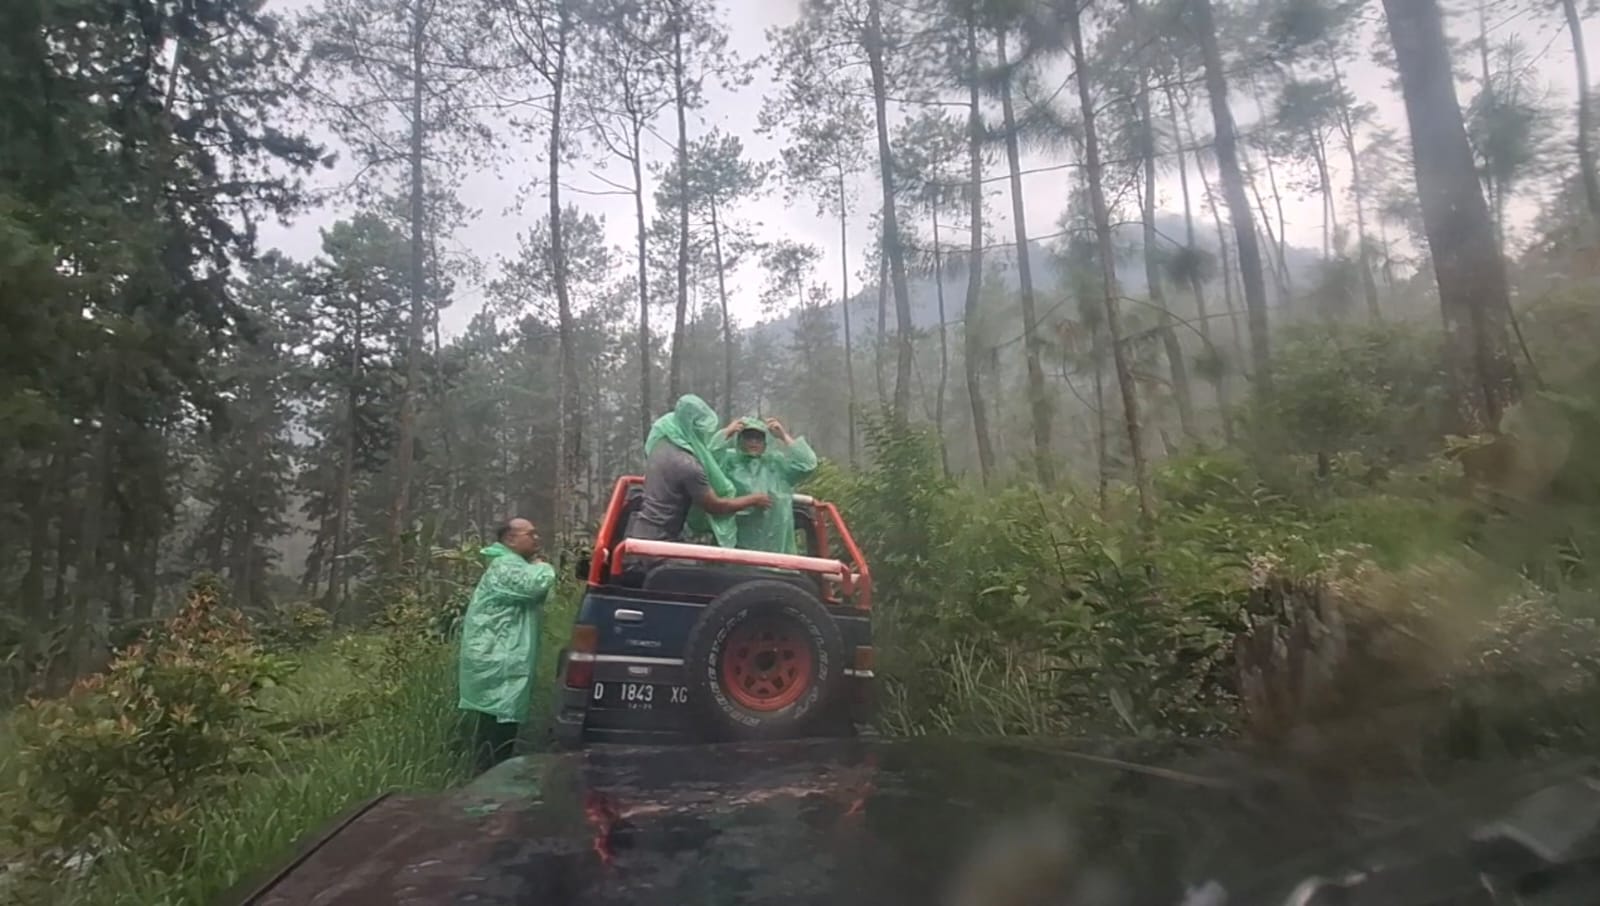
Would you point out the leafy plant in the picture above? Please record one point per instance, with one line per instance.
(1340, 389)
(127, 754)
(294, 627)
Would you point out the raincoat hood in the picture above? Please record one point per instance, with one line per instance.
(750, 423)
(495, 551)
(775, 473)
(691, 423)
(692, 427)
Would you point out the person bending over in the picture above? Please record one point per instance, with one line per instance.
(683, 482)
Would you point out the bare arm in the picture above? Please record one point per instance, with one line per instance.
(727, 506)
(698, 489)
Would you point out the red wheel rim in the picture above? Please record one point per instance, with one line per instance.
(767, 663)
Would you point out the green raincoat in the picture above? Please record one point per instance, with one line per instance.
(776, 472)
(500, 635)
(692, 427)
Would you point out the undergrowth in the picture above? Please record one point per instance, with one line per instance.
(354, 716)
(1312, 557)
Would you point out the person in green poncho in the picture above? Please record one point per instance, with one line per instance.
(683, 482)
(755, 464)
(500, 640)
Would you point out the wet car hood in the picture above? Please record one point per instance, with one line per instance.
(864, 822)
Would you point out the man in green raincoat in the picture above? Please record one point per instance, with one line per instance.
(500, 640)
(756, 465)
(683, 482)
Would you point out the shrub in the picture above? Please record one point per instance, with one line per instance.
(1016, 611)
(295, 627)
(411, 745)
(127, 754)
(1449, 657)
(1337, 389)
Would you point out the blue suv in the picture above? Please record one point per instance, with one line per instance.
(693, 642)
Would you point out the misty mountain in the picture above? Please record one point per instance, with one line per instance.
(1048, 275)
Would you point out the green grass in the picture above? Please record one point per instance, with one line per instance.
(8, 751)
(971, 695)
(410, 745)
(557, 629)
(319, 684)
(323, 764)
(310, 778)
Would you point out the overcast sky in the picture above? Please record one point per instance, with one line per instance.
(493, 233)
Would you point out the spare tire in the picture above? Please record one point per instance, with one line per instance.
(764, 661)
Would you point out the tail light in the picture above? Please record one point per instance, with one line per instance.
(864, 659)
(861, 669)
(580, 656)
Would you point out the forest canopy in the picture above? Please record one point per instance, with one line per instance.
(1077, 243)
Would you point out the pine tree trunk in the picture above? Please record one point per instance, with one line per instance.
(347, 470)
(222, 517)
(1183, 394)
(645, 412)
(90, 580)
(680, 102)
(1255, 290)
(65, 546)
(1369, 282)
(1388, 255)
(1219, 379)
(1274, 261)
(1496, 191)
(406, 439)
(944, 346)
(971, 357)
(844, 308)
(1281, 243)
(1033, 341)
(147, 555)
(1277, 240)
(878, 342)
(1102, 451)
(891, 223)
(1473, 294)
(1330, 216)
(727, 325)
(1347, 129)
(242, 557)
(451, 477)
(1586, 162)
(569, 432)
(1225, 253)
(1102, 228)
(1359, 191)
(33, 499)
(116, 560)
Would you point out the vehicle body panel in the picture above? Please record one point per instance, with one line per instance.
(885, 823)
(633, 684)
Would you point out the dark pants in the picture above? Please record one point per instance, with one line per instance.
(492, 741)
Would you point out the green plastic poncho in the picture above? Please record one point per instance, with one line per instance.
(692, 426)
(776, 472)
(500, 635)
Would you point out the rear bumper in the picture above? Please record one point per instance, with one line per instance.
(577, 724)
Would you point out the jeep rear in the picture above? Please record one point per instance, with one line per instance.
(693, 642)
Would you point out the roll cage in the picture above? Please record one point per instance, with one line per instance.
(845, 581)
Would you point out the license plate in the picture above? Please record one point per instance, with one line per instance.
(638, 696)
